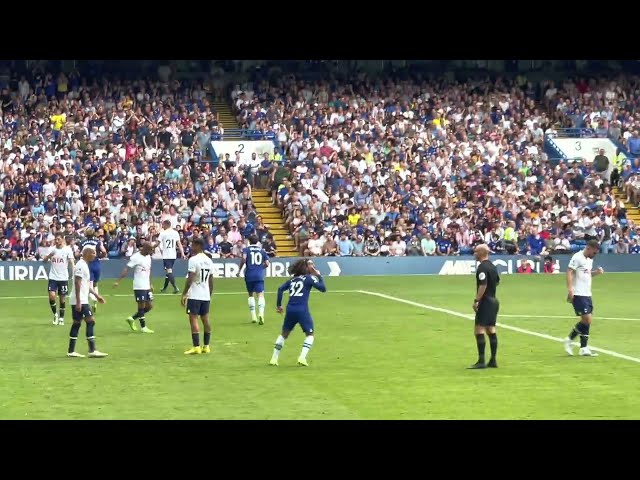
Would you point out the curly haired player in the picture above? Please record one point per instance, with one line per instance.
(305, 277)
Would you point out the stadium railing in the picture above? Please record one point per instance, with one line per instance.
(574, 132)
(552, 149)
(243, 134)
(581, 133)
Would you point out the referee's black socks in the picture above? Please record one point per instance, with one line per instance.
(480, 342)
(493, 344)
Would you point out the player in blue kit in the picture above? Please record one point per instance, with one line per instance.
(94, 265)
(256, 261)
(305, 277)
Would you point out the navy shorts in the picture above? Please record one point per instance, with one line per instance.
(81, 315)
(143, 295)
(292, 318)
(59, 286)
(255, 287)
(94, 272)
(582, 305)
(168, 263)
(487, 314)
(198, 307)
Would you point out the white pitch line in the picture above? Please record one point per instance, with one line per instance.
(177, 295)
(595, 317)
(501, 325)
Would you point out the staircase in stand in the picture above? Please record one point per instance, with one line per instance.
(633, 212)
(272, 217)
(227, 119)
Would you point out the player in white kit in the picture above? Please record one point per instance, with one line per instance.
(197, 296)
(170, 245)
(61, 258)
(142, 287)
(579, 276)
(80, 290)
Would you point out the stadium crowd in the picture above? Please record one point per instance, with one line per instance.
(369, 168)
(434, 167)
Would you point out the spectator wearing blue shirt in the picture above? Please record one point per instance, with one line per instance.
(633, 143)
(361, 195)
(345, 247)
(443, 245)
(536, 244)
(212, 248)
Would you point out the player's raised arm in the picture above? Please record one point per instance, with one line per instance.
(316, 278)
(317, 282)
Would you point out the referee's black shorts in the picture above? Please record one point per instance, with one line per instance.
(487, 314)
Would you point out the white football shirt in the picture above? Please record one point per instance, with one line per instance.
(141, 265)
(202, 266)
(82, 271)
(60, 264)
(582, 267)
(169, 243)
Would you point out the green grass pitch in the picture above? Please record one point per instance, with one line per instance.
(374, 357)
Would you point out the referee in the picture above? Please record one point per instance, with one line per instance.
(486, 306)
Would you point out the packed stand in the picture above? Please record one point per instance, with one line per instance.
(119, 157)
(384, 168)
(603, 108)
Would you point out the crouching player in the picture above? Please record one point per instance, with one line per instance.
(305, 277)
